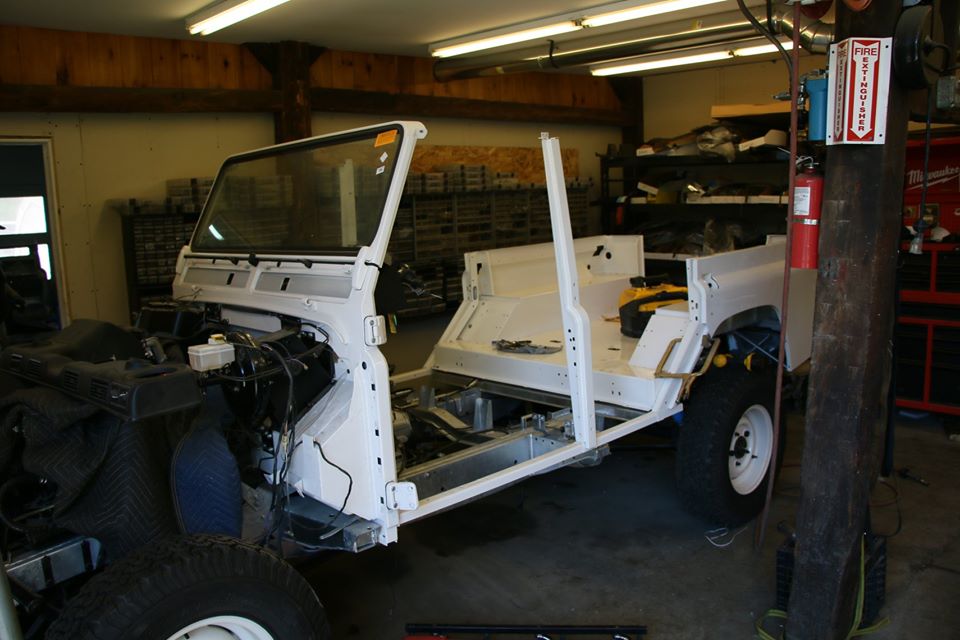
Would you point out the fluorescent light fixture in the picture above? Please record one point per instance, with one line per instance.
(650, 63)
(443, 50)
(564, 23)
(761, 49)
(642, 11)
(224, 14)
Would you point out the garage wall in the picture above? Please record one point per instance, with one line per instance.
(675, 103)
(588, 140)
(99, 157)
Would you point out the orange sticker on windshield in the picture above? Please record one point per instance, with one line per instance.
(387, 137)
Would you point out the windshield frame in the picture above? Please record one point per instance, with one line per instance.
(405, 139)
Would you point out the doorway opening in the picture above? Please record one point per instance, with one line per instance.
(30, 300)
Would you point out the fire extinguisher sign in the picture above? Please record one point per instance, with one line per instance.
(857, 91)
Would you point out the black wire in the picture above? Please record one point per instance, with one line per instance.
(349, 485)
(326, 336)
(766, 34)
(922, 212)
(278, 503)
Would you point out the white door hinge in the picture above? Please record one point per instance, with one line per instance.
(374, 331)
(402, 496)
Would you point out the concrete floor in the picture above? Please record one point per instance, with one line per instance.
(612, 545)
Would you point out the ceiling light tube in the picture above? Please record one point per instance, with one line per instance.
(642, 11)
(658, 61)
(761, 49)
(224, 14)
(443, 50)
(649, 65)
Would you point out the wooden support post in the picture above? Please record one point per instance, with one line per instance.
(630, 93)
(853, 329)
(289, 63)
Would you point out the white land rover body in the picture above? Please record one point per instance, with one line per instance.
(505, 415)
(286, 284)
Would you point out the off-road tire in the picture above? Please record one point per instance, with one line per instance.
(717, 402)
(160, 589)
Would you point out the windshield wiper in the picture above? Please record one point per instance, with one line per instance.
(253, 259)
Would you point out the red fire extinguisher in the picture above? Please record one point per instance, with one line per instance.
(807, 198)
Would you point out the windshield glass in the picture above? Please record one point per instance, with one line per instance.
(318, 197)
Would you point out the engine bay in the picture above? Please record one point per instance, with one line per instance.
(144, 389)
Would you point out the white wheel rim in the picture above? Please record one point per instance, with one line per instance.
(223, 628)
(751, 449)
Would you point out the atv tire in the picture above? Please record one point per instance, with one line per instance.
(182, 585)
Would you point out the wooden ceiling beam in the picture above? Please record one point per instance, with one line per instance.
(630, 93)
(405, 104)
(51, 98)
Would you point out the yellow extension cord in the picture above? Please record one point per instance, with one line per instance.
(858, 615)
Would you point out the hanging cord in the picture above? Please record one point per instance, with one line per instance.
(346, 497)
(916, 245)
(760, 532)
(772, 38)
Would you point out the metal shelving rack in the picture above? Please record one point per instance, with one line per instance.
(431, 233)
(152, 239)
(619, 175)
(434, 230)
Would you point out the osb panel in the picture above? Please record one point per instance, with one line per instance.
(526, 162)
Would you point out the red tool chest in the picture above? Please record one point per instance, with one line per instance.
(928, 322)
(943, 185)
(928, 330)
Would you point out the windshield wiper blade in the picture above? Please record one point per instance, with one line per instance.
(253, 259)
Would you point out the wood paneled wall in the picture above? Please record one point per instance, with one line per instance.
(31, 56)
(405, 74)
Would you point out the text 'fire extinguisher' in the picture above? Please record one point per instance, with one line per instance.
(807, 200)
